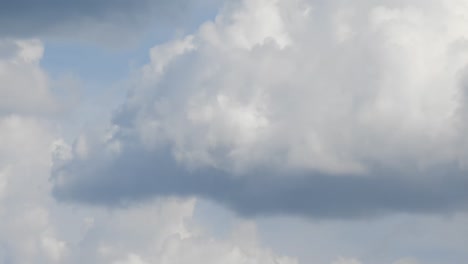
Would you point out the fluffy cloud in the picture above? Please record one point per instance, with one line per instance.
(270, 82)
(319, 109)
(25, 87)
(275, 107)
(296, 107)
(34, 228)
(275, 83)
(162, 232)
(26, 232)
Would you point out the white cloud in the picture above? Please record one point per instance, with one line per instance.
(279, 88)
(407, 261)
(346, 261)
(164, 233)
(25, 87)
(34, 228)
(288, 84)
(26, 233)
(263, 84)
(267, 83)
(54, 248)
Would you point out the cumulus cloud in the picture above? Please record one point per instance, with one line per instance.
(26, 233)
(319, 109)
(25, 87)
(165, 234)
(269, 83)
(36, 229)
(227, 114)
(162, 231)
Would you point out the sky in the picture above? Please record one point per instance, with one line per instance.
(237, 132)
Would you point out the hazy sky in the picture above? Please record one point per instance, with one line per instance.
(237, 132)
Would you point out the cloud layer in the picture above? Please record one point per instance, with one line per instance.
(113, 23)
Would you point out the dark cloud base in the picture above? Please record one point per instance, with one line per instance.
(142, 175)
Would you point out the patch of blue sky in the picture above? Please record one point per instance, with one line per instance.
(99, 65)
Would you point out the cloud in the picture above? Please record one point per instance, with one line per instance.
(196, 248)
(165, 235)
(138, 175)
(36, 229)
(101, 21)
(26, 232)
(25, 86)
(346, 261)
(407, 261)
(26, 101)
(257, 92)
(162, 231)
(293, 107)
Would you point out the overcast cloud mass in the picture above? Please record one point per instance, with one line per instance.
(112, 23)
(273, 131)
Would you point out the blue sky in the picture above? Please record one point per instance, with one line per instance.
(238, 132)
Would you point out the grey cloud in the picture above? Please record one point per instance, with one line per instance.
(35, 229)
(140, 175)
(89, 19)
